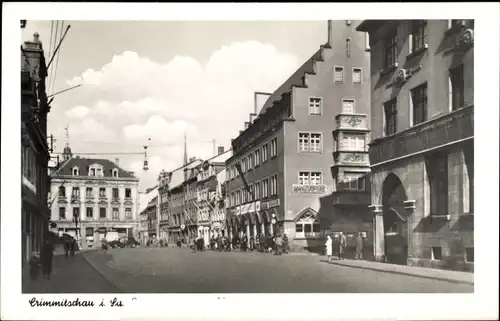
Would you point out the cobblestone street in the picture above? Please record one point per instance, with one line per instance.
(173, 270)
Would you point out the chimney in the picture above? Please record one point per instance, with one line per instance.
(220, 150)
(192, 159)
(117, 161)
(329, 40)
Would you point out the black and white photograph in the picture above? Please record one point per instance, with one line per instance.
(178, 165)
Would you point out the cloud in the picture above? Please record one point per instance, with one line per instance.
(135, 98)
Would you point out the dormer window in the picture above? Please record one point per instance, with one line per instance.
(114, 172)
(76, 172)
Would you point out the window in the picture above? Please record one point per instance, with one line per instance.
(250, 161)
(469, 163)
(310, 142)
(92, 172)
(353, 142)
(76, 212)
(457, 87)
(307, 226)
(257, 190)
(62, 213)
(265, 188)
(436, 253)
(244, 194)
(102, 192)
(115, 172)
(89, 231)
(469, 254)
(250, 193)
(437, 175)
(274, 147)
(348, 47)
(357, 75)
(75, 193)
(418, 34)
(128, 213)
(354, 182)
(128, 193)
(90, 212)
(390, 109)
(264, 153)
(102, 212)
(62, 191)
(309, 178)
(116, 213)
(391, 49)
(274, 185)
(315, 106)
(347, 106)
(257, 157)
(75, 171)
(89, 192)
(115, 193)
(339, 74)
(419, 101)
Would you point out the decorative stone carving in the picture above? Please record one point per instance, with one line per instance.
(353, 121)
(354, 158)
(403, 75)
(312, 189)
(467, 38)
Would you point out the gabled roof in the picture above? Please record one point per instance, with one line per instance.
(294, 80)
(178, 173)
(84, 164)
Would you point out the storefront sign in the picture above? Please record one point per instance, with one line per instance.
(264, 206)
(273, 203)
(257, 206)
(309, 189)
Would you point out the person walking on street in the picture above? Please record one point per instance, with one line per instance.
(285, 244)
(359, 247)
(66, 248)
(73, 247)
(46, 257)
(279, 243)
(34, 266)
(342, 245)
(328, 248)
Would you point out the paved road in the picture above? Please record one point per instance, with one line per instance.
(173, 270)
(71, 275)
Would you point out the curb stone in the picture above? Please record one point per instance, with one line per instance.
(98, 270)
(401, 273)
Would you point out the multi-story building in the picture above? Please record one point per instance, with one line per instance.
(152, 218)
(94, 198)
(181, 217)
(286, 150)
(163, 188)
(209, 202)
(422, 152)
(34, 150)
(146, 216)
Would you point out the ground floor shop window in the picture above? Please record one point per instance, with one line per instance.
(89, 231)
(436, 253)
(307, 226)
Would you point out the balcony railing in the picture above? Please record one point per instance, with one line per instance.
(442, 130)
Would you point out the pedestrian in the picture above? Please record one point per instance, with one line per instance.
(359, 247)
(285, 244)
(66, 248)
(34, 266)
(328, 248)
(46, 257)
(270, 243)
(73, 247)
(262, 243)
(278, 244)
(104, 245)
(342, 245)
(202, 244)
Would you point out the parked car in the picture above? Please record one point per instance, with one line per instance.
(115, 244)
(132, 242)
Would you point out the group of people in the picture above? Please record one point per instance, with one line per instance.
(340, 244)
(262, 243)
(70, 247)
(42, 262)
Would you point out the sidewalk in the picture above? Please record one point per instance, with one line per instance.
(428, 273)
(69, 275)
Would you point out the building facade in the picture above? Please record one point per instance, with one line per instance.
(422, 149)
(163, 189)
(93, 199)
(209, 199)
(34, 149)
(286, 150)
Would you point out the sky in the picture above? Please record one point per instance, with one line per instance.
(151, 83)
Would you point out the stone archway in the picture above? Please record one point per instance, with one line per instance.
(395, 220)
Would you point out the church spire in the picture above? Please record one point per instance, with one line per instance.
(185, 150)
(67, 150)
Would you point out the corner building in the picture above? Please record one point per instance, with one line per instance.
(422, 152)
(287, 150)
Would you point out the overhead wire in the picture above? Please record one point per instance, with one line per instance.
(51, 34)
(53, 45)
(57, 58)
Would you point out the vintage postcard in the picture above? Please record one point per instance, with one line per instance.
(249, 161)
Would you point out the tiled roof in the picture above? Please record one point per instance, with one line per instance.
(294, 80)
(178, 174)
(83, 165)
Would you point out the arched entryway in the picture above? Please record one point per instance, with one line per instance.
(395, 220)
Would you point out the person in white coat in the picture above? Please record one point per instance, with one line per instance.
(328, 247)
